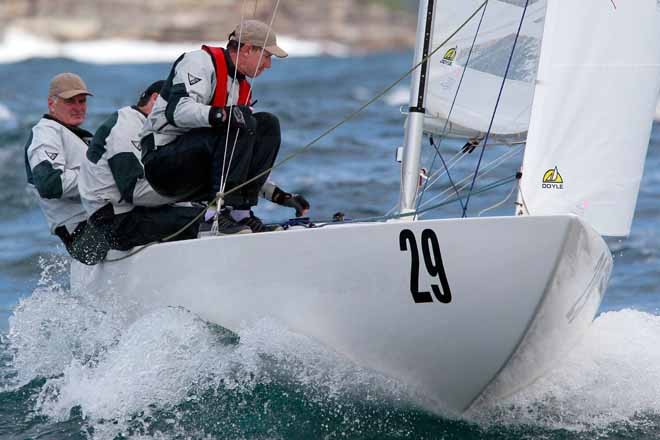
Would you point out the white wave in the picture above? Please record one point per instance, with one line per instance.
(7, 117)
(118, 361)
(398, 96)
(19, 45)
(612, 377)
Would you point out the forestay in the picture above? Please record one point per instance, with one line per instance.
(593, 110)
(475, 100)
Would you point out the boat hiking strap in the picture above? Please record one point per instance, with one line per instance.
(309, 145)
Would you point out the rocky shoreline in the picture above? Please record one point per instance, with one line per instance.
(360, 25)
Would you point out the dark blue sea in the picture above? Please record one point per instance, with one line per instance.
(75, 367)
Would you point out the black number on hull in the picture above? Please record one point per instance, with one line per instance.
(418, 297)
(433, 263)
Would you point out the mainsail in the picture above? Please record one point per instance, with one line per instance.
(479, 64)
(593, 110)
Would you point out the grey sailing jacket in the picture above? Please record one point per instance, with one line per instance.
(112, 171)
(53, 155)
(184, 102)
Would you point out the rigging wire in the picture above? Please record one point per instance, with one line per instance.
(497, 103)
(309, 144)
(448, 201)
(256, 69)
(486, 170)
(451, 181)
(503, 201)
(449, 114)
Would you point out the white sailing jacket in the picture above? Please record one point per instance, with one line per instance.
(184, 101)
(112, 171)
(53, 155)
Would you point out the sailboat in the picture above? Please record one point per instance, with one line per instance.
(462, 310)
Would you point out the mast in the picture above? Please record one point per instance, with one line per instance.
(415, 123)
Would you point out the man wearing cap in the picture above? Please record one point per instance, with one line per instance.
(53, 154)
(116, 197)
(203, 132)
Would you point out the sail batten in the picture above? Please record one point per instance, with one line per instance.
(593, 110)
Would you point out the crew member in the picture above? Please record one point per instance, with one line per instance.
(53, 155)
(203, 133)
(115, 195)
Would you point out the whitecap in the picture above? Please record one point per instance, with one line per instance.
(19, 45)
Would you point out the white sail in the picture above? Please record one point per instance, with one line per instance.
(593, 109)
(475, 101)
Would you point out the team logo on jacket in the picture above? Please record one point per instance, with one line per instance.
(137, 145)
(449, 57)
(192, 79)
(50, 155)
(552, 179)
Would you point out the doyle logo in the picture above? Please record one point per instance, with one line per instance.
(449, 57)
(192, 79)
(552, 179)
(137, 145)
(52, 156)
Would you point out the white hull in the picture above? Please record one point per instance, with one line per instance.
(523, 290)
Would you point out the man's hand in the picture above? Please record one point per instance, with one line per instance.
(234, 116)
(295, 201)
(237, 115)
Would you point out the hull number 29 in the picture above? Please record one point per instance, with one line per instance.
(433, 263)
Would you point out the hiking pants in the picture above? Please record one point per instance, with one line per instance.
(190, 168)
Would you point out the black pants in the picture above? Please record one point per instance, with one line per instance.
(145, 225)
(86, 243)
(189, 168)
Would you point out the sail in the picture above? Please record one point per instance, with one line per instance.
(593, 110)
(486, 60)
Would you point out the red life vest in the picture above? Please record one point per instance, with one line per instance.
(221, 75)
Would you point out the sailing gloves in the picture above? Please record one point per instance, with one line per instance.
(295, 201)
(234, 116)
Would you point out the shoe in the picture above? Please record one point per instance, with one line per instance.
(256, 225)
(228, 226)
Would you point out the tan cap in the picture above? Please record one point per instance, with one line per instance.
(258, 34)
(67, 85)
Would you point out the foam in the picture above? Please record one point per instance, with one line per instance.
(118, 361)
(612, 377)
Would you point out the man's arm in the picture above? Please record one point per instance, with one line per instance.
(189, 90)
(48, 165)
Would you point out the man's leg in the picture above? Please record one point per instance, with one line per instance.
(266, 146)
(145, 225)
(181, 169)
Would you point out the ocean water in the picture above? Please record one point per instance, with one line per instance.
(77, 366)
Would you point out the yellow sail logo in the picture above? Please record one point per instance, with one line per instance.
(449, 56)
(552, 179)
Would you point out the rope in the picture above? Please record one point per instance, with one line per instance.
(311, 143)
(451, 109)
(500, 203)
(451, 181)
(497, 103)
(489, 167)
(496, 184)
